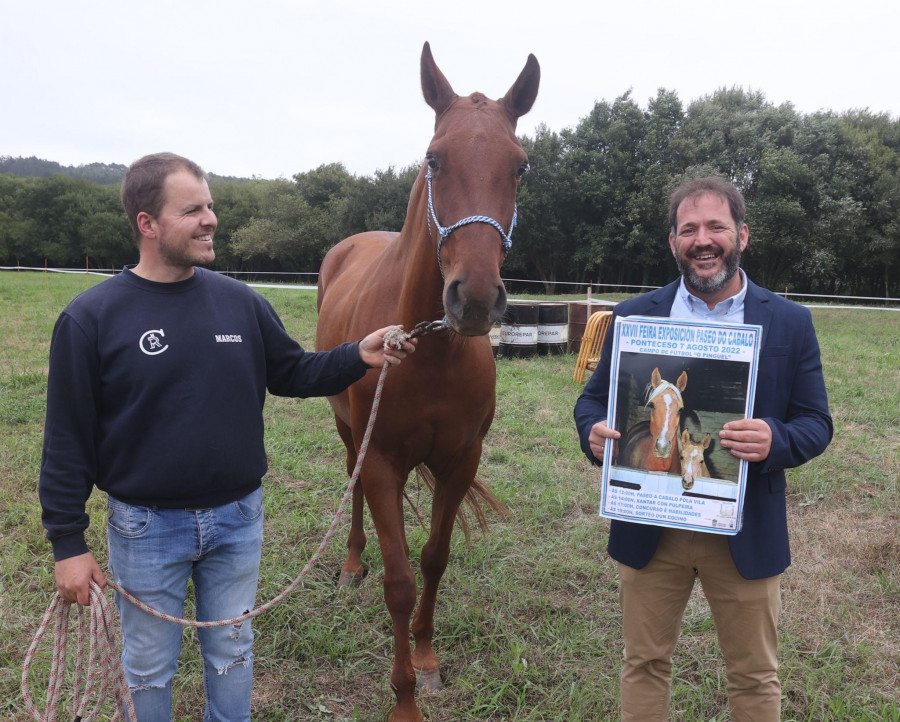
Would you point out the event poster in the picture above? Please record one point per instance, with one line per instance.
(674, 383)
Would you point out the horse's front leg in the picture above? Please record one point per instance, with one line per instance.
(450, 490)
(352, 572)
(383, 488)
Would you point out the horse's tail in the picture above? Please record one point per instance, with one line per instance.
(476, 497)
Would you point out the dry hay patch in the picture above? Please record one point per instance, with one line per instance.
(328, 693)
(844, 584)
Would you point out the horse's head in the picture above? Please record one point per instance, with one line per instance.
(693, 463)
(665, 402)
(472, 170)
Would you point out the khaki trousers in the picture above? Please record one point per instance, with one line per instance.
(745, 613)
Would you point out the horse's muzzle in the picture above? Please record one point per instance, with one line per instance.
(662, 449)
(473, 314)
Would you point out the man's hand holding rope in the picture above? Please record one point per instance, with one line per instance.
(375, 351)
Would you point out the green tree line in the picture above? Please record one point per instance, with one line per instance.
(823, 194)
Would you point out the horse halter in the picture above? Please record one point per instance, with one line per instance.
(445, 231)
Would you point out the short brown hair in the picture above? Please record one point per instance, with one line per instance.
(143, 188)
(700, 186)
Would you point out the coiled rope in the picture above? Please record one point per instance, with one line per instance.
(103, 667)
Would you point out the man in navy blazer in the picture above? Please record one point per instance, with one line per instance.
(790, 424)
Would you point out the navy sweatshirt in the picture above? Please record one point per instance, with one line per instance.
(155, 395)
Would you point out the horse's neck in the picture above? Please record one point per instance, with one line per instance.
(412, 258)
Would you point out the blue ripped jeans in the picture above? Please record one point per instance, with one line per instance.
(152, 554)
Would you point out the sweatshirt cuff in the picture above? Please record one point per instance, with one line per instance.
(70, 545)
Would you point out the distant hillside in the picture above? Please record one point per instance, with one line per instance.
(100, 173)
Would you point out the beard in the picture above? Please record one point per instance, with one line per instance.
(176, 255)
(710, 284)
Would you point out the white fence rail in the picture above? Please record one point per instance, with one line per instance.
(590, 290)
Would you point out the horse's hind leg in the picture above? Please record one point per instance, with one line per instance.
(448, 495)
(352, 572)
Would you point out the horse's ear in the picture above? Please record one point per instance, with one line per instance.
(437, 91)
(682, 381)
(706, 441)
(521, 96)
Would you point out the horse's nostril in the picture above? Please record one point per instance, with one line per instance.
(451, 298)
(500, 305)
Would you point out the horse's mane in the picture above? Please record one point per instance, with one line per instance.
(650, 391)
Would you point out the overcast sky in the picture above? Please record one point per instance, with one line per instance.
(275, 87)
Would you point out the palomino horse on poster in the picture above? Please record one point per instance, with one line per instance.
(693, 462)
(651, 445)
(438, 405)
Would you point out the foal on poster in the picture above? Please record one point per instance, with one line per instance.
(691, 455)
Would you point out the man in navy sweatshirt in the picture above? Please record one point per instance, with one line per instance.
(155, 395)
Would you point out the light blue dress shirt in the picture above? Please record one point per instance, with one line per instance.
(731, 310)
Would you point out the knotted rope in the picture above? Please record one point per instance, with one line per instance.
(103, 664)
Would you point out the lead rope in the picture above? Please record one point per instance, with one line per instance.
(103, 664)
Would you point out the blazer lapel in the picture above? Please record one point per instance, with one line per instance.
(757, 309)
(659, 303)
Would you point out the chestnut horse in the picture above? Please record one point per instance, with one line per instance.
(437, 406)
(651, 446)
(691, 456)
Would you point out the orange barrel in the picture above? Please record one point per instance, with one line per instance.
(518, 330)
(553, 328)
(578, 316)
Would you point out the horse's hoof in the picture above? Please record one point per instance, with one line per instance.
(351, 579)
(398, 716)
(429, 680)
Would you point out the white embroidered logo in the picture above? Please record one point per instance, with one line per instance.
(151, 342)
(228, 338)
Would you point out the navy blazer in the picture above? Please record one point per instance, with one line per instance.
(790, 397)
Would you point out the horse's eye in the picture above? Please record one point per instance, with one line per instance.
(433, 163)
(523, 169)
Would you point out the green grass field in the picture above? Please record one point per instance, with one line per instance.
(527, 624)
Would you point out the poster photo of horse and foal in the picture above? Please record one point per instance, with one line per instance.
(674, 384)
